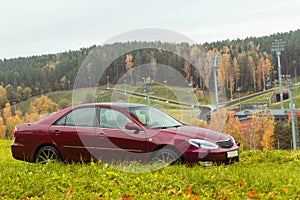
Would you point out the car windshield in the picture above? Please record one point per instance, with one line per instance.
(154, 118)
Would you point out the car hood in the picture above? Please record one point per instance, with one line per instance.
(200, 133)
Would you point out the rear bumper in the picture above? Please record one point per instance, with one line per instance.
(19, 152)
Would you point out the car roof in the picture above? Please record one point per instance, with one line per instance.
(124, 105)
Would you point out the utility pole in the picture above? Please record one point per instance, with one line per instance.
(293, 121)
(295, 71)
(278, 46)
(214, 63)
(292, 116)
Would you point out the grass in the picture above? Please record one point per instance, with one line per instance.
(258, 175)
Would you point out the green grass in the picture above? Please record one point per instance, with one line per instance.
(258, 175)
(261, 99)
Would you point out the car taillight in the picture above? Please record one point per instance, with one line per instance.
(16, 132)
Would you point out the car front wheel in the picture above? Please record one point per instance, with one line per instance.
(166, 156)
(47, 154)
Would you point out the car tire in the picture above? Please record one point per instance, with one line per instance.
(166, 156)
(47, 154)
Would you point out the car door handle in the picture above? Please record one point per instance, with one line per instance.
(56, 132)
(101, 134)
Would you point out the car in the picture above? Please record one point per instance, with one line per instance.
(118, 132)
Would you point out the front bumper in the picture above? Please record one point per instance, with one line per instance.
(215, 155)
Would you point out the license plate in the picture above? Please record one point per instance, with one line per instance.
(231, 154)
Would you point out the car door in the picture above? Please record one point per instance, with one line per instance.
(74, 132)
(116, 143)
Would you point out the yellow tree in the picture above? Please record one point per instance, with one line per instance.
(236, 70)
(32, 117)
(2, 129)
(43, 105)
(256, 130)
(268, 67)
(129, 65)
(262, 125)
(218, 119)
(224, 69)
(7, 112)
(10, 125)
(268, 139)
(233, 128)
(10, 121)
(3, 96)
(63, 82)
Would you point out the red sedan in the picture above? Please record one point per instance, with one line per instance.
(119, 132)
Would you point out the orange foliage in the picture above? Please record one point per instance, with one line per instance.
(233, 128)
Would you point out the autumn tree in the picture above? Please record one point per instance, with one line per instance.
(32, 117)
(225, 68)
(3, 96)
(7, 112)
(233, 128)
(10, 121)
(260, 130)
(64, 82)
(43, 105)
(129, 65)
(268, 139)
(218, 119)
(2, 129)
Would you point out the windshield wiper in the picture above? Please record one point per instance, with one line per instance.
(166, 127)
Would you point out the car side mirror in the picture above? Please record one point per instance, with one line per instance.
(134, 127)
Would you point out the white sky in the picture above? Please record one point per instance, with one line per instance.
(34, 27)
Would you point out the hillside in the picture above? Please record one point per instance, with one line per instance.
(247, 64)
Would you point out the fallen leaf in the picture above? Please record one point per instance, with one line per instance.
(69, 193)
(194, 197)
(127, 197)
(190, 190)
(252, 193)
(285, 190)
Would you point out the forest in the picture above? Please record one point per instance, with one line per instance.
(247, 64)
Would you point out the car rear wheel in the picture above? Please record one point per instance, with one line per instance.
(47, 154)
(166, 156)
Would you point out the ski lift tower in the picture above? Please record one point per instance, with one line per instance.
(278, 46)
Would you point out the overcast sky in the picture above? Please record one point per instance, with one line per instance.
(35, 27)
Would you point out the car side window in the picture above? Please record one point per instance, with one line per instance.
(141, 115)
(114, 119)
(83, 117)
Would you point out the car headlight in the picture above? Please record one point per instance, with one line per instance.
(204, 144)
